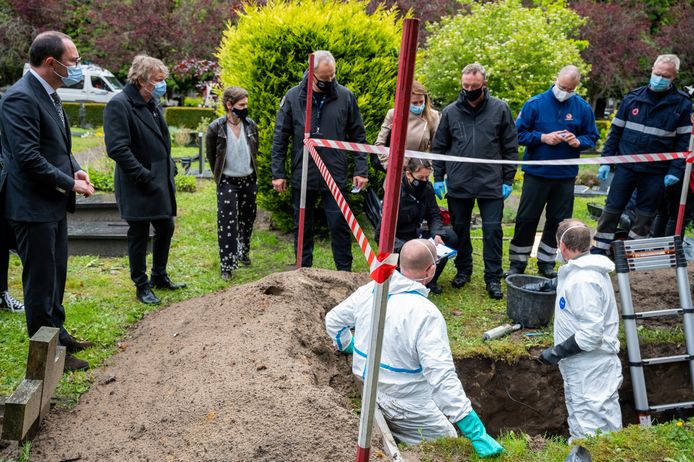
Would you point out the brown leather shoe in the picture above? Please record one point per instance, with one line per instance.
(75, 364)
(73, 346)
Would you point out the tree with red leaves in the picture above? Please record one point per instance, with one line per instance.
(619, 50)
(675, 36)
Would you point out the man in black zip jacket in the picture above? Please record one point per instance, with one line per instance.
(335, 116)
(480, 126)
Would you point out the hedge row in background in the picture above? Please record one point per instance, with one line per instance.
(103, 180)
(266, 52)
(182, 117)
(94, 113)
(188, 117)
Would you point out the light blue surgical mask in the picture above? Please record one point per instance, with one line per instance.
(659, 83)
(417, 110)
(74, 74)
(159, 89)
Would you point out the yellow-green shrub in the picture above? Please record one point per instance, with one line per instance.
(266, 52)
(187, 117)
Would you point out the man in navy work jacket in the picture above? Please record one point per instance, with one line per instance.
(651, 119)
(40, 179)
(335, 116)
(556, 124)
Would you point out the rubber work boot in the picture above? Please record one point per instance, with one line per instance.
(460, 280)
(494, 290)
(514, 269)
(547, 270)
(434, 288)
(472, 428)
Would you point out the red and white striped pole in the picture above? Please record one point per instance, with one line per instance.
(685, 185)
(391, 203)
(304, 164)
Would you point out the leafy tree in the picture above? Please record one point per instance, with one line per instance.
(675, 37)
(266, 52)
(15, 37)
(620, 51)
(521, 47)
(170, 30)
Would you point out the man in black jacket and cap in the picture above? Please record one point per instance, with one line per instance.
(335, 116)
(480, 126)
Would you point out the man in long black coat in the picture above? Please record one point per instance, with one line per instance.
(137, 138)
(40, 179)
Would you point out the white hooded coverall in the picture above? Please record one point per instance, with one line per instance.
(586, 307)
(419, 392)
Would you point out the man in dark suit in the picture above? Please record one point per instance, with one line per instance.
(40, 180)
(138, 139)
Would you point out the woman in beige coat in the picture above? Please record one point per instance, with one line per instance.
(422, 123)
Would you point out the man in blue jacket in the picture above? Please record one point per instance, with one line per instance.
(651, 119)
(556, 124)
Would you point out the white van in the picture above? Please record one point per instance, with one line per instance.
(98, 86)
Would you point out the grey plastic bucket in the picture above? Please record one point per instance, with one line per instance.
(528, 307)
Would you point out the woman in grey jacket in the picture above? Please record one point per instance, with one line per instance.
(232, 147)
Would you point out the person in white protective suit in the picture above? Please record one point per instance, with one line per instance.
(586, 324)
(419, 392)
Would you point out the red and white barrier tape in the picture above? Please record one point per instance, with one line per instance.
(622, 159)
(380, 266)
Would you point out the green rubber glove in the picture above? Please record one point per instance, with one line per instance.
(472, 428)
(349, 349)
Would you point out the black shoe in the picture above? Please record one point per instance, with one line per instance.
(494, 290)
(163, 282)
(547, 271)
(514, 270)
(245, 260)
(434, 288)
(146, 296)
(227, 275)
(74, 364)
(460, 280)
(73, 346)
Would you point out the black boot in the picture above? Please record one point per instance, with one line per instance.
(163, 282)
(494, 290)
(514, 269)
(547, 270)
(460, 280)
(146, 296)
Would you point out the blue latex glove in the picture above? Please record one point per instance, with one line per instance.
(669, 180)
(506, 190)
(440, 189)
(603, 172)
(349, 349)
(472, 428)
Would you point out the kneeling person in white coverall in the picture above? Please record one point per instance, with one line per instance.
(418, 389)
(586, 324)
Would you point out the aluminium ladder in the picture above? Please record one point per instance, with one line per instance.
(653, 254)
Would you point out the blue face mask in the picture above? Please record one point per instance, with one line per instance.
(417, 110)
(159, 89)
(659, 83)
(74, 74)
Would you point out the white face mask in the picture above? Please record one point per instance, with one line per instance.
(562, 95)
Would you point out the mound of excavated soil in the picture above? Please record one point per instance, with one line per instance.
(240, 375)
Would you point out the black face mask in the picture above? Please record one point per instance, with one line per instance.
(326, 87)
(473, 95)
(417, 186)
(240, 113)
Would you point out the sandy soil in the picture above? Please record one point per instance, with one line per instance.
(244, 374)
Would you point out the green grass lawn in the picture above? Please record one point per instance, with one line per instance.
(101, 305)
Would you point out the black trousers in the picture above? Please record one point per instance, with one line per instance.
(558, 197)
(236, 210)
(340, 234)
(448, 236)
(665, 221)
(138, 233)
(7, 242)
(491, 211)
(42, 248)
